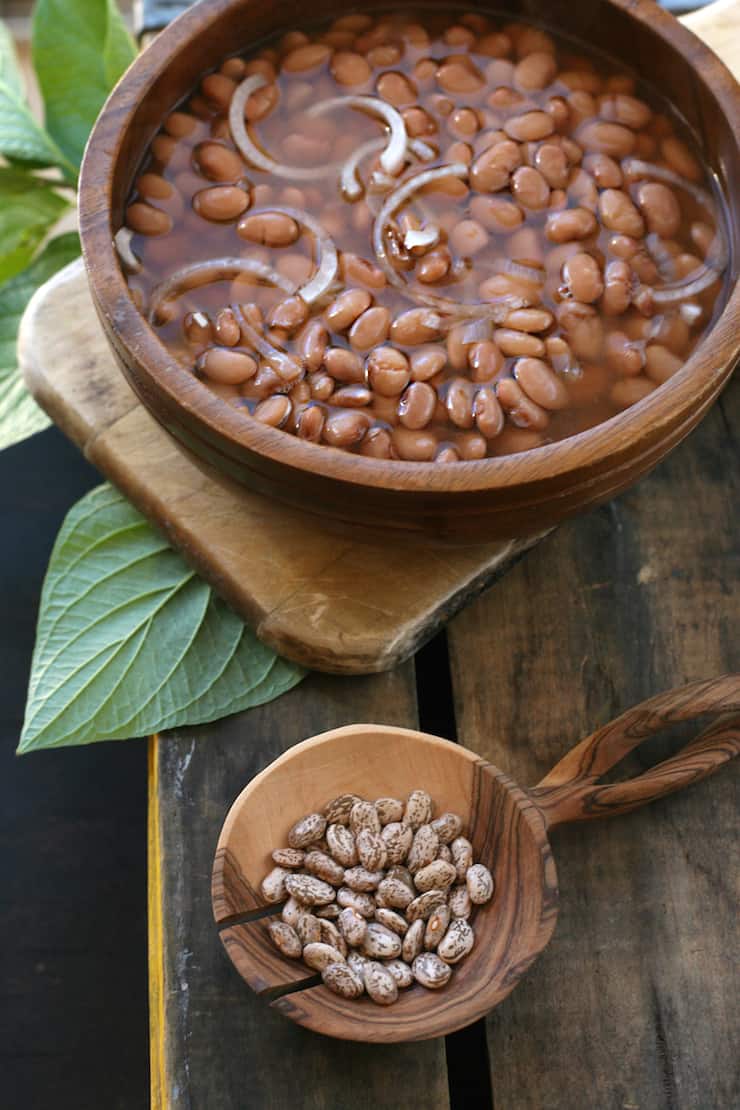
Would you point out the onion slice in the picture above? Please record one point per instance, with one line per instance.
(328, 262)
(284, 365)
(496, 311)
(350, 183)
(252, 153)
(122, 243)
(213, 269)
(394, 155)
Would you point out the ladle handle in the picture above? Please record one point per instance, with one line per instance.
(571, 792)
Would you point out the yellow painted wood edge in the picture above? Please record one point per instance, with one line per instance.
(157, 1030)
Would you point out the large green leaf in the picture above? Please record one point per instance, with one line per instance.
(22, 139)
(80, 49)
(130, 641)
(29, 207)
(20, 416)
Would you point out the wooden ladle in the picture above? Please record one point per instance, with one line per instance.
(508, 827)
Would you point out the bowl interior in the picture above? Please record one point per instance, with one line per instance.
(371, 760)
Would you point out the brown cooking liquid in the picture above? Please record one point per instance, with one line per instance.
(534, 367)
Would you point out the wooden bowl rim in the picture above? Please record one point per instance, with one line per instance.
(608, 442)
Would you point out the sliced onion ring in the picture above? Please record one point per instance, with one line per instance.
(213, 269)
(122, 243)
(394, 155)
(285, 366)
(350, 183)
(252, 153)
(495, 310)
(328, 262)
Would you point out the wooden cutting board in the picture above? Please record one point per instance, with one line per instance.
(333, 603)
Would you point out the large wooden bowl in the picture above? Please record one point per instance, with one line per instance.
(469, 501)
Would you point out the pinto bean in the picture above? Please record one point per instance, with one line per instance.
(530, 188)
(552, 163)
(583, 328)
(604, 170)
(227, 328)
(488, 414)
(521, 410)
(497, 213)
(514, 343)
(486, 361)
(660, 363)
(618, 213)
(434, 266)
(345, 427)
(457, 77)
(679, 158)
(660, 208)
(468, 237)
(471, 445)
(602, 137)
(573, 223)
(492, 169)
(310, 423)
(414, 445)
(305, 57)
(397, 89)
(387, 371)
(370, 329)
(535, 71)
(344, 309)
(289, 314)
(582, 278)
(541, 384)
(321, 385)
(377, 444)
(629, 391)
(217, 162)
(530, 127)
(529, 319)
(146, 220)
(350, 69)
(426, 362)
(358, 271)
(459, 397)
(226, 366)
(625, 356)
(274, 411)
(417, 325)
(311, 343)
(628, 110)
(274, 229)
(417, 404)
(344, 365)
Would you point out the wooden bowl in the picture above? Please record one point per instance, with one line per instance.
(470, 501)
(506, 824)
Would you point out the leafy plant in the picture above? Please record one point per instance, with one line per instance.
(80, 48)
(131, 641)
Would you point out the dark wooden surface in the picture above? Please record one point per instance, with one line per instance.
(635, 1000)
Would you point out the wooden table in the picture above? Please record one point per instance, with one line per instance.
(635, 1004)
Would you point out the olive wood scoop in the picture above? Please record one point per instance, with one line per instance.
(507, 825)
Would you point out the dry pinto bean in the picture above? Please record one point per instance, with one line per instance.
(582, 278)
(541, 384)
(573, 223)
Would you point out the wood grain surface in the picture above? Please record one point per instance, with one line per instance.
(636, 984)
(329, 601)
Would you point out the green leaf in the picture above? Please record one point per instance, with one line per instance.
(21, 137)
(20, 416)
(29, 206)
(80, 49)
(130, 641)
(10, 73)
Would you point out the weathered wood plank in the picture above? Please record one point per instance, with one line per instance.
(635, 1001)
(216, 1045)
